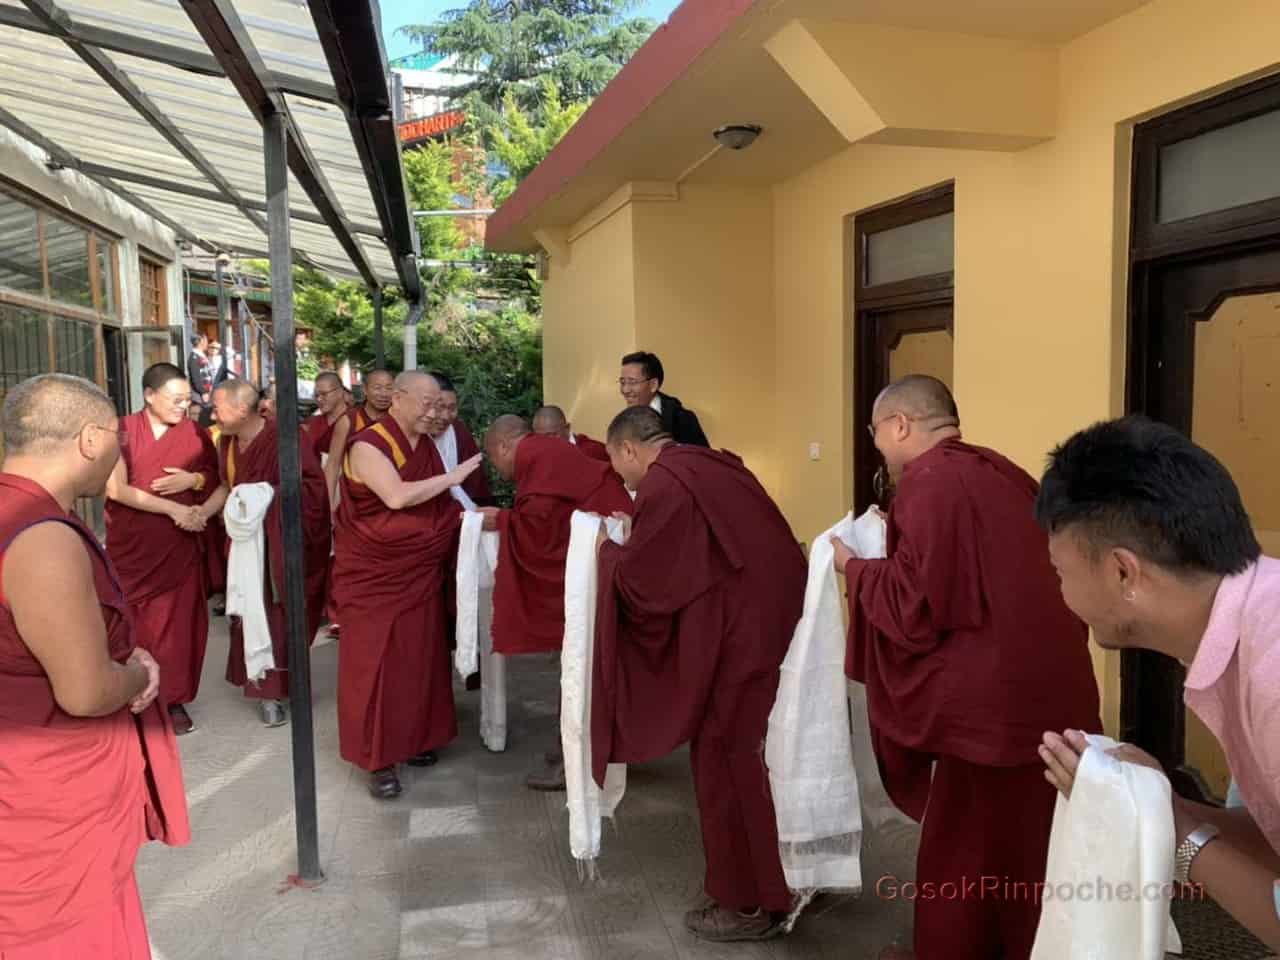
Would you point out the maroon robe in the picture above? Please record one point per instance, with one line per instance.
(695, 616)
(214, 539)
(320, 432)
(357, 419)
(969, 654)
(395, 691)
(161, 567)
(553, 479)
(592, 448)
(79, 794)
(475, 486)
(260, 463)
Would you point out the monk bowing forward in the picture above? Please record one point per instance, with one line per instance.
(89, 768)
(553, 479)
(968, 654)
(248, 453)
(395, 543)
(167, 468)
(695, 615)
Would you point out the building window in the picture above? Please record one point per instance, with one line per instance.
(20, 263)
(24, 346)
(155, 311)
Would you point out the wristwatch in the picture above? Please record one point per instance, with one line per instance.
(1189, 849)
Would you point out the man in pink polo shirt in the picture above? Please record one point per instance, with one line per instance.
(1154, 550)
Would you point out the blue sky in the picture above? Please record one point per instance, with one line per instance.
(397, 13)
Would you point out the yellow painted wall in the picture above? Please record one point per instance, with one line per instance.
(589, 310)
(1041, 237)
(704, 304)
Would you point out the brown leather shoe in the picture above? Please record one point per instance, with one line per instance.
(549, 780)
(182, 722)
(427, 758)
(715, 924)
(384, 784)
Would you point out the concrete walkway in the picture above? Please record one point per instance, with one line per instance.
(467, 863)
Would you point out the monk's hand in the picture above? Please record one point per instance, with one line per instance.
(490, 517)
(1061, 755)
(625, 520)
(148, 694)
(175, 481)
(459, 474)
(842, 554)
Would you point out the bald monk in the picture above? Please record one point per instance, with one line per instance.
(550, 421)
(695, 614)
(395, 545)
(377, 401)
(331, 406)
(247, 453)
(89, 768)
(552, 480)
(456, 444)
(968, 654)
(166, 469)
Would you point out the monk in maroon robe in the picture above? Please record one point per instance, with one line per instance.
(456, 443)
(247, 453)
(166, 469)
(331, 406)
(550, 421)
(377, 401)
(695, 614)
(552, 480)
(396, 543)
(968, 654)
(89, 768)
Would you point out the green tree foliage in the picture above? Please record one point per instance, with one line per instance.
(514, 47)
(429, 173)
(519, 142)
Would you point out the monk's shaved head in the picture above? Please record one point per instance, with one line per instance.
(382, 376)
(918, 397)
(506, 428)
(501, 440)
(240, 392)
(47, 411)
(550, 420)
(329, 377)
(638, 425)
(408, 380)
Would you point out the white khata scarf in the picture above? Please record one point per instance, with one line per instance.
(477, 560)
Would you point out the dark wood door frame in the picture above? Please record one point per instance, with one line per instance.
(880, 314)
(1186, 268)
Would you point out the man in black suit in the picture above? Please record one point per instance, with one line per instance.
(200, 376)
(641, 385)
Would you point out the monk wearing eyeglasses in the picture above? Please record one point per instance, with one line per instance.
(168, 467)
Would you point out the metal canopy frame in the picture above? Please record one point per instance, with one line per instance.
(178, 140)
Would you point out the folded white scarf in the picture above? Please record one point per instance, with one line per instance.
(1110, 870)
(477, 560)
(447, 447)
(587, 803)
(809, 750)
(243, 515)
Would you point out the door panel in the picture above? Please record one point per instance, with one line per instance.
(892, 344)
(1207, 342)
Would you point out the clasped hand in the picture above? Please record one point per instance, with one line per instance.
(175, 481)
(188, 518)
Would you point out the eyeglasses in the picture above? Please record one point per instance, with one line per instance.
(325, 394)
(628, 382)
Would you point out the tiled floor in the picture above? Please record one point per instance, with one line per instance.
(468, 863)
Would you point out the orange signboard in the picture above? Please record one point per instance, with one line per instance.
(431, 126)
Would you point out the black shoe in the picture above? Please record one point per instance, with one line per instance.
(182, 722)
(427, 758)
(384, 784)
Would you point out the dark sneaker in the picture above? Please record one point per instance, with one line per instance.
(427, 758)
(273, 713)
(715, 924)
(384, 784)
(182, 722)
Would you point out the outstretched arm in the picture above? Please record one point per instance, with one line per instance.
(121, 491)
(333, 463)
(377, 473)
